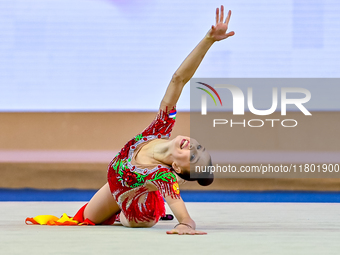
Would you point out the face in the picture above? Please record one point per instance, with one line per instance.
(188, 153)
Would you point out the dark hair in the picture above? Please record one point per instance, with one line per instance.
(204, 179)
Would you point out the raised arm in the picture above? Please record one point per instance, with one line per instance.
(189, 66)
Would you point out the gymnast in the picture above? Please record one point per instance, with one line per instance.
(148, 167)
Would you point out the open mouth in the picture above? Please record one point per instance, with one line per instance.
(184, 143)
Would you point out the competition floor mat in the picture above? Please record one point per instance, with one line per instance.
(233, 228)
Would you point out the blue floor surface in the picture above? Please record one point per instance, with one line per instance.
(188, 196)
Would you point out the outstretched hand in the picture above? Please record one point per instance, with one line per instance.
(184, 230)
(219, 31)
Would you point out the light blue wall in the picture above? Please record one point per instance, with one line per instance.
(80, 55)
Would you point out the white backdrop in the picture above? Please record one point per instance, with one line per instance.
(115, 55)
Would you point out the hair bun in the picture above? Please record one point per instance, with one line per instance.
(206, 181)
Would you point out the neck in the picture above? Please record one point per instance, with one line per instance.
(161, 151)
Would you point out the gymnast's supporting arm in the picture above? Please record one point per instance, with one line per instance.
(189, 66)
(186, 224)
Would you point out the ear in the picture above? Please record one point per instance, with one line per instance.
(176, 168)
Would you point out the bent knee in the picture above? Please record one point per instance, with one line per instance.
(147, 224)
(133, 224)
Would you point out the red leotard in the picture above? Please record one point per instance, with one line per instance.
(128, 182)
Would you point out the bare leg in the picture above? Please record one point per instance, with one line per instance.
(101, 206)
(133, 224)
